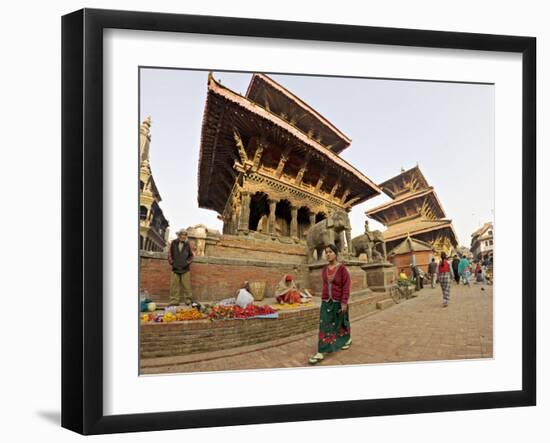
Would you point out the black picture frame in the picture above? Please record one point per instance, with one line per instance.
(82, 219)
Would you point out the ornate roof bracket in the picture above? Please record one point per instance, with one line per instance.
(345, 196)
(240, 146)
(320, 182)
(258, 154)
(303, 169)
(230, 203)
(282, 161)
(335, 187)
(352, 201)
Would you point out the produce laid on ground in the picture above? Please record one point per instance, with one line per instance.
(171, 314)
(216, 312)
(219, 312)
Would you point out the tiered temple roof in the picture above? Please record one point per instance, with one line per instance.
(415, 227)
(280, 101)
(270, 142)
(415, 210)
(424, 202)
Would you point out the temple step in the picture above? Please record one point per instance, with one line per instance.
(384, 304)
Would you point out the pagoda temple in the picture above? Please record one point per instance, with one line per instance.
(269, 163)
(415, 211)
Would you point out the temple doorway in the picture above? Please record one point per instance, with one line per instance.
(282, 218)
(259, 213)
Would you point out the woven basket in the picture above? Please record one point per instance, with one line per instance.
(258, 289)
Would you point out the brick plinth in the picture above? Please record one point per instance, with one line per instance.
(187, 337)
(380, 276)
(265, 249)
(229, 261)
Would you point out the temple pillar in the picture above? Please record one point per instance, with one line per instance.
(294, 222)
(271, 223)
(245, 212)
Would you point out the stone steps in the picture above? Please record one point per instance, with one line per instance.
(384, 304)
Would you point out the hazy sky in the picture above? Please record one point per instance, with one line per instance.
(447, 128)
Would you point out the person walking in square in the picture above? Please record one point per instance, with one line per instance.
(479, 277)
(464, 270)
(334, 324)
(444, 276)
(432, 272)
(418, 278)
(455, 263)
(180, 256)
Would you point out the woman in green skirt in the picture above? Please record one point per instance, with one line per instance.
(334, 326)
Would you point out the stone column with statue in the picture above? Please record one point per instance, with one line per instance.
(372, 244)
(380, 274)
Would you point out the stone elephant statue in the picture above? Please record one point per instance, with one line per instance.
(332, 230)
(367, 243)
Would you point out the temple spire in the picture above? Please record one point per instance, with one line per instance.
(145, 139)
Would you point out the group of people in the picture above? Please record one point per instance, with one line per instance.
(444, 272)
(460, 270)
(334, 324)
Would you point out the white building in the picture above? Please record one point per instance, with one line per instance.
(482, 242)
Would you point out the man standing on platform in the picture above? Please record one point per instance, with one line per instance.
(180, 256)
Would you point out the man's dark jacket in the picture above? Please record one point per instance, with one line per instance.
(180, 261)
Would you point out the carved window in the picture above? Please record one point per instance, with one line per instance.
(142, 213)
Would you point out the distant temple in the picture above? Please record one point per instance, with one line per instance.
(269, 163)
(415, 212)
(153, 226)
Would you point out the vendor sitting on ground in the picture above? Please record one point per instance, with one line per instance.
(243, 297)
(402, 275)
(286, 291)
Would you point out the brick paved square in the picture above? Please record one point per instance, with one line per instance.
(416, 330)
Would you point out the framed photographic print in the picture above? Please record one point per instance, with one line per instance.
(253, 208)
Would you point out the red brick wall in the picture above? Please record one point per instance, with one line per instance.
(154, 277)
(218, 281)
(213, 281)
